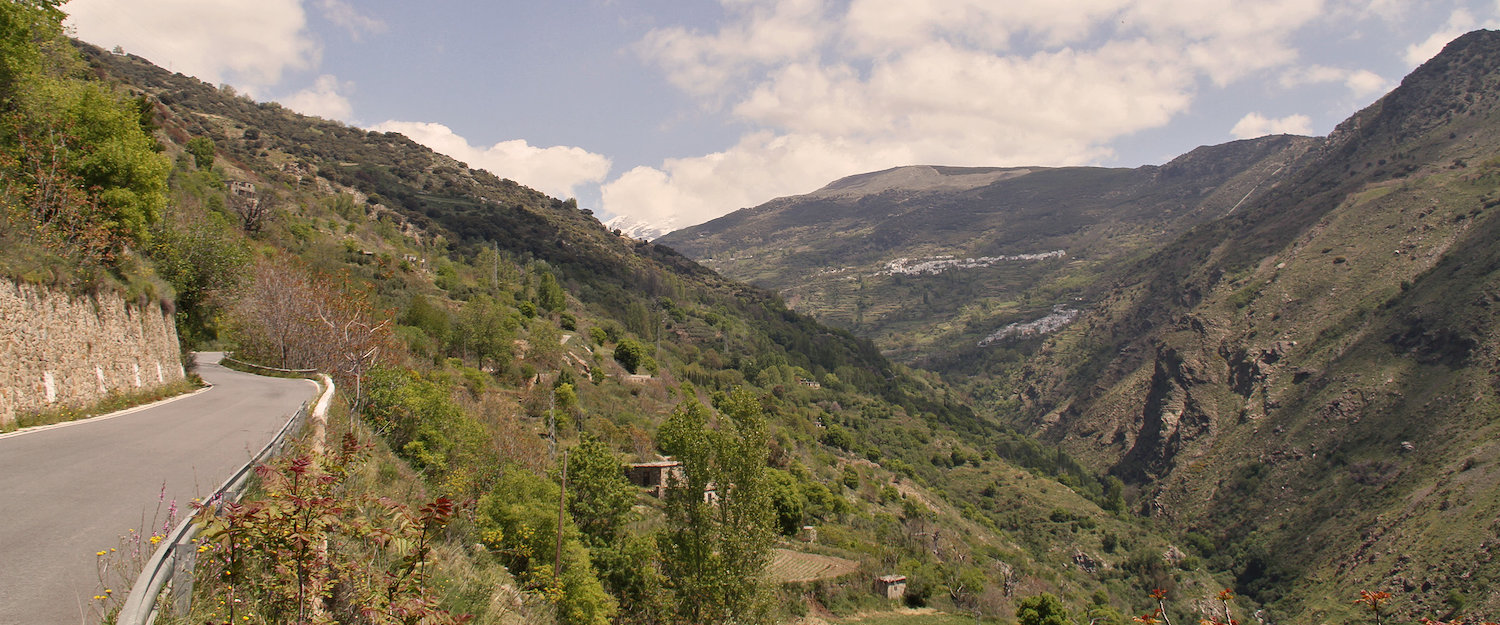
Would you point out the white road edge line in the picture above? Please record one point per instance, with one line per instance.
(104, 417)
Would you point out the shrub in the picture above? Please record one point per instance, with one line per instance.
(1043, 609)
(282, 555)
(519, 522)
(634, 356)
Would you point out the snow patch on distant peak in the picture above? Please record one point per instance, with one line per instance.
(641, 229)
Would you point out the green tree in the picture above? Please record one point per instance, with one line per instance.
(599, 496)
(80, 172)
(599, 502)
(713, 554)
(1043, 609)
(787, 500)
(22, 26)
(549, 294)
(202, 149)
(1114, 494)
(433, 319)
(634, 356)
(486, 331)
(565, 403)
(204, 260)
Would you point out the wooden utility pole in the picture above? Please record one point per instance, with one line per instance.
(661, 322)
(552, 425)
(562, 500)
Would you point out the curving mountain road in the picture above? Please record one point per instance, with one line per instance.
(68, 492)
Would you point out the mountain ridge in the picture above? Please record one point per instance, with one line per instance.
(826, 246)
(915, 178)
(1306, 379)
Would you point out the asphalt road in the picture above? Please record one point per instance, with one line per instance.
(69, 492)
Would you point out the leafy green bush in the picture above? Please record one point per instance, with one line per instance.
(419, 419)
(787, 500)
(1043, 609)
(202, 150)
(83, 176)
(519, 523)
(634, 356)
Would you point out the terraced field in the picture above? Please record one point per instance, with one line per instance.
(789, 566)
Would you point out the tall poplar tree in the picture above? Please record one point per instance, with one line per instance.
(715, 549)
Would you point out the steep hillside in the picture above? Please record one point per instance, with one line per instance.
(444, 207)
(1311, 381)
(932, 260)
(519, 323)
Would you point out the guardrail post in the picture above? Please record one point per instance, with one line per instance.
(185, 557)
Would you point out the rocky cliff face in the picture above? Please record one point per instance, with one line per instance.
(67, 350)
(1311, 381)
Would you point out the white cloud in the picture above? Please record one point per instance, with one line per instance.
(556, 170)
(827, 89)
(761, 165)
(344, 15)
(323, 99)
(1362, 83)
(1257, 125)
(1392, 11)
(1311, 75)
(703, 64)
(1225, 39)
(876, 25)
(1459, 22)
(248, 44)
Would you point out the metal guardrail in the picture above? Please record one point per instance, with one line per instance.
(177, 555)
(252, 365)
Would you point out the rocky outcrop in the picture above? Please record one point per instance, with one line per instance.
(1171, 419)
(62, 350)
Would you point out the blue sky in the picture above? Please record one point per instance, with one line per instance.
(672, 112)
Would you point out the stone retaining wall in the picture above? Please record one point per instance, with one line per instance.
(60, 350)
